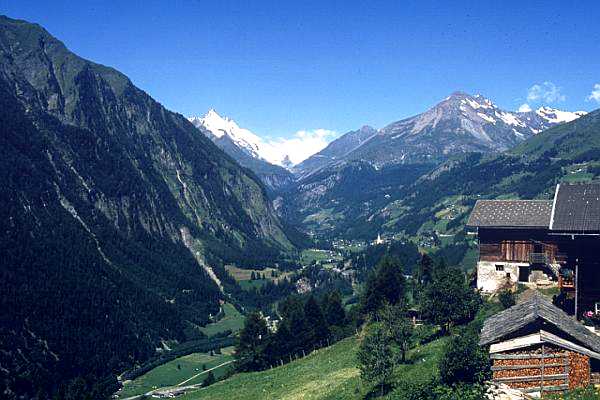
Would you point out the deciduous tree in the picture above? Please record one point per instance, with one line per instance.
(375, 357)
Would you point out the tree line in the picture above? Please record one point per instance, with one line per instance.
(307, 323)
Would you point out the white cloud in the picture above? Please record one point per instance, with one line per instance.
(595, 95)
(524, 108)
(546, 92)
(299, 147)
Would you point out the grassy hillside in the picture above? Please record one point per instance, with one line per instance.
(326, 374)
(566, 141)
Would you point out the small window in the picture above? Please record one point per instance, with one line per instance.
(499, 267)
(508, 275)
(597, 307)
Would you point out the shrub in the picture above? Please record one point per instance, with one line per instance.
(433, 390)
(464, 361)
(507, 298)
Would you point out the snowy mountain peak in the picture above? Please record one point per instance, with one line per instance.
(222, 126)
(557, 116)
(248, 149)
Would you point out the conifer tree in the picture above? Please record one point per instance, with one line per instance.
(317, 329)
(333, 310)
(385, 284)
(250, 350)
(425, 270)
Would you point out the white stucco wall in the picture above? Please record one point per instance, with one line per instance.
(489, 280)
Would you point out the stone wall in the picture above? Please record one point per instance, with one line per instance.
(489, 279)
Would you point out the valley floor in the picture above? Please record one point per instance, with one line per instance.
(186, 370)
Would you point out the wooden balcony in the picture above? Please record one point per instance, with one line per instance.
(539, 258)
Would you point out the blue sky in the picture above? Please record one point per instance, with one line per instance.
(286, 66)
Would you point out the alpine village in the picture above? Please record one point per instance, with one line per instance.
(451, 253)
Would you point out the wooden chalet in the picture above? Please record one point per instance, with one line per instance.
(543, 242)
(537, 348)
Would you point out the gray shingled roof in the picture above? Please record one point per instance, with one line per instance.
(576, 208)
(535, 307)
(511, 213)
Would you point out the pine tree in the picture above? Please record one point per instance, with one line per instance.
(333, 310)
(385, 284)
(318, 330)
(425, 270)
(292, 313)
(250, 351)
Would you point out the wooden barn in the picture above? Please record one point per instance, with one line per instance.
(543, 242)
(514, 245)
(537, 348)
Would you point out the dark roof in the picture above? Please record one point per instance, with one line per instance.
(576, 208)
(535, 307)
(511, 213)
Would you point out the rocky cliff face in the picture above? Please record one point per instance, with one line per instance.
(99, 183)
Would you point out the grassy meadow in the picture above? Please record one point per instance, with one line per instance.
(327, 374)
(232, 320)
(177, 371)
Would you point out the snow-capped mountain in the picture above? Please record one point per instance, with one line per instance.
(219, 126)
(459, 123)
(247, 148)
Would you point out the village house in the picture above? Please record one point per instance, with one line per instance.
(543, 242)
(537, 348)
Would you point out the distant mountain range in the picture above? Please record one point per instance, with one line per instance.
(361, 183)
(460, 123)
(246, 148)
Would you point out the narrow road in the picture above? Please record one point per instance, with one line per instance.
(203, 372)
(178, 387)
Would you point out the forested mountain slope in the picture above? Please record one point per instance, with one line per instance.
(111, 205)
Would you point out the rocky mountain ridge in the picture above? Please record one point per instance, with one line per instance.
(460, 123)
